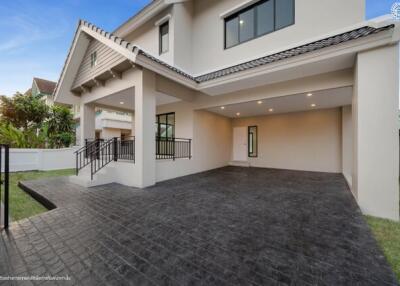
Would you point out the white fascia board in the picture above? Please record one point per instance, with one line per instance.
(128, 53)
(63, 94)
(354, 46)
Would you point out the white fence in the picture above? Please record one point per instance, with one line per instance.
(42, 159)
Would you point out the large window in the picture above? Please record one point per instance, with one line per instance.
(165, 126)
(164, 38)
(257, 20)
(252, 141)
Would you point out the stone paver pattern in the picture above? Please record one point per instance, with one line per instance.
(229, 226)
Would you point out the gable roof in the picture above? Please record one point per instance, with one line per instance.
(300, 50)
(45, 86)
(128, 48)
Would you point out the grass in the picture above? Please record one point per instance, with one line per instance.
(387, 233)
(21, 204)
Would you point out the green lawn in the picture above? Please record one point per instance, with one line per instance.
(387, 233)
(21, 204)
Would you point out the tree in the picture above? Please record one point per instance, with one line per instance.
(23, 111)
(60, 126)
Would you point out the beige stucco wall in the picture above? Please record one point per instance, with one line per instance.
(309, 141)
(347, 145)
(376, 135)
(108, 133)
(208, 30)
(211, 136)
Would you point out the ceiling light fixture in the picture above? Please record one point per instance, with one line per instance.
(121, 102)
(313, 105)
(222, 107)
(259, 102)
(238, 114)
(309, 94)
(241, 22)
(271, 110)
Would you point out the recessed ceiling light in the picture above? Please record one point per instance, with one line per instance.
(222, 107)
(259, 102)
(241, 22)
(271, 110)
(121, 102)
(309, 94)
(313, 105)
(238, 114)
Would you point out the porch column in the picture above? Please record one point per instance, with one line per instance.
(144, 120)
(87, 122)
(376, 133)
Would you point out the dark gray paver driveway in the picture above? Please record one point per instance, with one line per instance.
(230, 226)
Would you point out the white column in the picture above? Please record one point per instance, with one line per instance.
(87, 122)
(145, 113)
(376, 135)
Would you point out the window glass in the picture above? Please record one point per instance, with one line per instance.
(232, 32)
(93, 59)
(246, 25)
(284, 13)
(252, 141)
(164, 38)
(265, 18)
(165, 126)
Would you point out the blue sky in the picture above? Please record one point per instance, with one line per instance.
(35, 35)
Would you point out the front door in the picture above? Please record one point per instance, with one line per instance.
(240, 144)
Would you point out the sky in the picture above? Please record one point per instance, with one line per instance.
(35, 35)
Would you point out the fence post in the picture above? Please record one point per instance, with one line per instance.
(6, 184)
(115, 142)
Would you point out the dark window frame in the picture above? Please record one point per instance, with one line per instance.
(251, 155)
(254, 6)
(160, 46)
(172, 124)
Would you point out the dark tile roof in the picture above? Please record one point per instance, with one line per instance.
(314, 46)
(45, 86)
(300, 50)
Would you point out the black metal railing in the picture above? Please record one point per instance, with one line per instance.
(4, 185)
(99, 153)
(82, 154)
(126, 148)
(173, 148)
(102, 155)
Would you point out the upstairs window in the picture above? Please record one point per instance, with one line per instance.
(257, 20)
(93, 59)
(164, 38)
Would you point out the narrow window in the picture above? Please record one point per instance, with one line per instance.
(252, 141)
(93, 59)
(164, 38)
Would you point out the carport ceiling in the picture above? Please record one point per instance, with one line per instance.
(291, 103)
(125, 99)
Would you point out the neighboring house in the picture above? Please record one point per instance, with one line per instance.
(302, 85)
(108, 123)
(44, 89)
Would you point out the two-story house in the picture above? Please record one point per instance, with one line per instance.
(287, 84)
